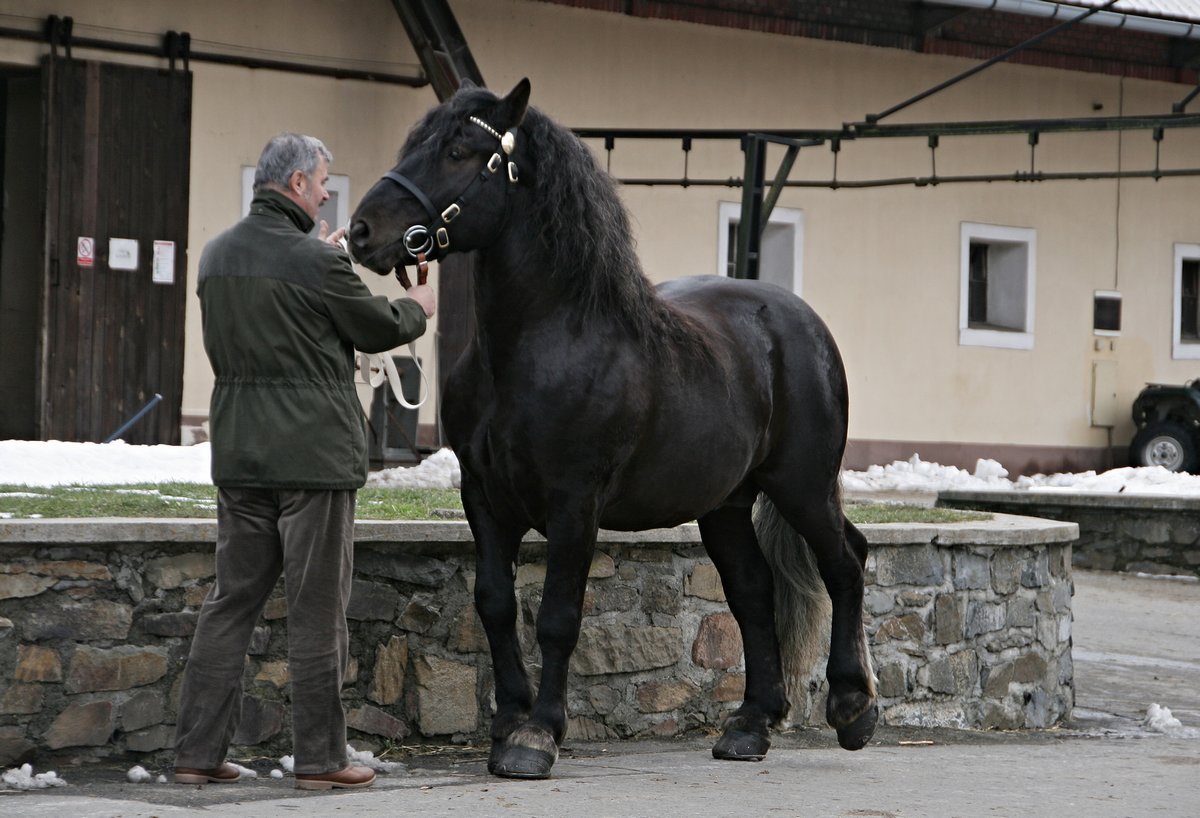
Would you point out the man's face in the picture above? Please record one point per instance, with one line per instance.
(310, 190)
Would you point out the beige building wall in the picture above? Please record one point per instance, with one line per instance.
(881, 265)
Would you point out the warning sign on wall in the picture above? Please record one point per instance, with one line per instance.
(85, 251)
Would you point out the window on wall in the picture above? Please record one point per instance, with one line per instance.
(1186, 336)
(335, 211)
(997, 281)
(780, 251)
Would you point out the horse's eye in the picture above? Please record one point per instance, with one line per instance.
(457, 154)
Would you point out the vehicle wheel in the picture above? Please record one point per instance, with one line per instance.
(1167, 444)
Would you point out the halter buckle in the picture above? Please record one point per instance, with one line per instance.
(443, 238)
(512, 172)
(450, 212)
(494, 163)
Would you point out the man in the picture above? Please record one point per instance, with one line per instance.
(282, 314)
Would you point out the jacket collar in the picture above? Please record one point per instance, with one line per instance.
(270, 202)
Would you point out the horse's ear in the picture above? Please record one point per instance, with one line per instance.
(466, 83)
(512, 107)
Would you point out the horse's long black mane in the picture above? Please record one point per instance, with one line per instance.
(580, 226)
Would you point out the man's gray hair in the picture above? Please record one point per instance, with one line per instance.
(286, 154)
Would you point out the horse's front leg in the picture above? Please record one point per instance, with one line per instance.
(496, 548)
(532, 749)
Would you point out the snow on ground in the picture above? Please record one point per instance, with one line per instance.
(51, 463)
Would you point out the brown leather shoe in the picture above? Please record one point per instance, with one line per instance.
(347, 778)
(224, 774)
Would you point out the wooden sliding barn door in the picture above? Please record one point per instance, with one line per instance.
(117, 169)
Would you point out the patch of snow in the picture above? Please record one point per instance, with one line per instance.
(276, 773)
(1159, 720)
(245, 771)
(365, 758)
(138, 775)
(288, 763)
(438, 471)
(23, 778)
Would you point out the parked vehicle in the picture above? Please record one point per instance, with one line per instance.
(1168, 421)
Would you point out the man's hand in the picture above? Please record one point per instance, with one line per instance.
(332, 238)
(423, 294)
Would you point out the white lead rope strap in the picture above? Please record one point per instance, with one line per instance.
(375, 367)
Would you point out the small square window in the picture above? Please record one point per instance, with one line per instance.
(997, 286)
(1186, 336)
(1106, 312)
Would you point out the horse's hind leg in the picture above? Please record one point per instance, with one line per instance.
(841, 552)
(495, 600)
(729, 538)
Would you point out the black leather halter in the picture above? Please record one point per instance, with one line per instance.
(419, 238)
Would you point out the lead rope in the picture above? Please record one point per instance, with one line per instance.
(376, 367)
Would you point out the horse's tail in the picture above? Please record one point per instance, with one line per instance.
(802, 606)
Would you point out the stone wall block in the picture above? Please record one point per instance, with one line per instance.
(158, 737)
(447, 701)
(913, 565)
(909, 627)
(718, 642)
(1019, 612)
(603, 566)
(119, 668)
(276, 608)
(704, 582)
(411, 568)
(176, 571)
(80, 621)
(22, 699)
(984, 617)
(662, 596)
(15, 747)
(180, 623)
(619, 649)
(996, 680)
(893, 680)
(1007, 567)
(16, 586)
(372, 601)
(143, 709)
(82, 725)
(467, 634)
(972, 572)
(391, 663)
(878, 601)
(273, 673)
(37, 664)
(1036, 572)
(947, 619)
(659, 697)
(730, 688)
(956, 674)
(421, 614)
(372, 720)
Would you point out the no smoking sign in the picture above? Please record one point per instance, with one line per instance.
(85, 251)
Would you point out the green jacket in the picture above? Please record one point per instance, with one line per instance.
(283, 313)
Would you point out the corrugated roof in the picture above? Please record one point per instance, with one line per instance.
(1183, 10)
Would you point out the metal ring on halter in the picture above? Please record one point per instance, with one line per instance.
(417, 240)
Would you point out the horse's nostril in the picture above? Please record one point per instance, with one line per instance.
(359, 232)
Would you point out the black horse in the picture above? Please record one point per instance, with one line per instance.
(589, 398)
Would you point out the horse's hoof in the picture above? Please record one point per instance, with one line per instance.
(494, 755)
(856, 734)
(521, 762)
(739, 745)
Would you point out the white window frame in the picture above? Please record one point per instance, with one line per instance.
(338, 183)
(999, 234)
(1181, 349)
(731, 213)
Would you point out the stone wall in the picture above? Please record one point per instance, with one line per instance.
(1117, 532)
(970, 625)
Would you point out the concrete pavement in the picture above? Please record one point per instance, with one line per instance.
(1136, 642)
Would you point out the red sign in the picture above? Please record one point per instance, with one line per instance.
(85, 251)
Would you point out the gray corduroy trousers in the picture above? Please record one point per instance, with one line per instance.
(308, 537)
